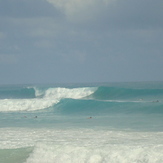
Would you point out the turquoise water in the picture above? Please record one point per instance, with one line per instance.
(104, 122)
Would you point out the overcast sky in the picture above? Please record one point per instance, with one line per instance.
(62, 41)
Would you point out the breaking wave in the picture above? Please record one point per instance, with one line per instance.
(42, 98)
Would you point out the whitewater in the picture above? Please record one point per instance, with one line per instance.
(85, 123)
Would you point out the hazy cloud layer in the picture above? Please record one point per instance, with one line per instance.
(26, 8)
(80, 40)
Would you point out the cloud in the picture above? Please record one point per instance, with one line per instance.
(43, 27)
(81, 10)
(27, 8)
(112, 13)
(100, 37)
(44, 44)
(138, 14)
(2, 35)
(8, 59)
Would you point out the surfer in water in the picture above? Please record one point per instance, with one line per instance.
(89, 117)
(156, 101)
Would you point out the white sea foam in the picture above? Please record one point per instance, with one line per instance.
(75, 93)
(51, 153)
(49, 97)
(25, 104)
(85, 145)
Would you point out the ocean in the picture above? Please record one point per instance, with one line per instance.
(82, 123)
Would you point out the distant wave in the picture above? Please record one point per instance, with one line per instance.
(17, 93)
(81, 100)
(104, 107)
(116, 93)
(43, 98)
(59, 92)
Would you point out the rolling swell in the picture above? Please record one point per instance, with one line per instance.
(102, 107)
(114, 93)
(16, 93)
(83, 100)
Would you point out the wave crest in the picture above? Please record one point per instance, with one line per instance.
(44, 99)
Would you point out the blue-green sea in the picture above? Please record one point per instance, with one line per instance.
(82, 123)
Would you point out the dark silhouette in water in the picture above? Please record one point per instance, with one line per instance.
(156, 101)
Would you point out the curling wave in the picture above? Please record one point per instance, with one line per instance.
(42, 99)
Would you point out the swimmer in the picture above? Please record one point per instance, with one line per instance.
(156, 101)
(89, 117)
